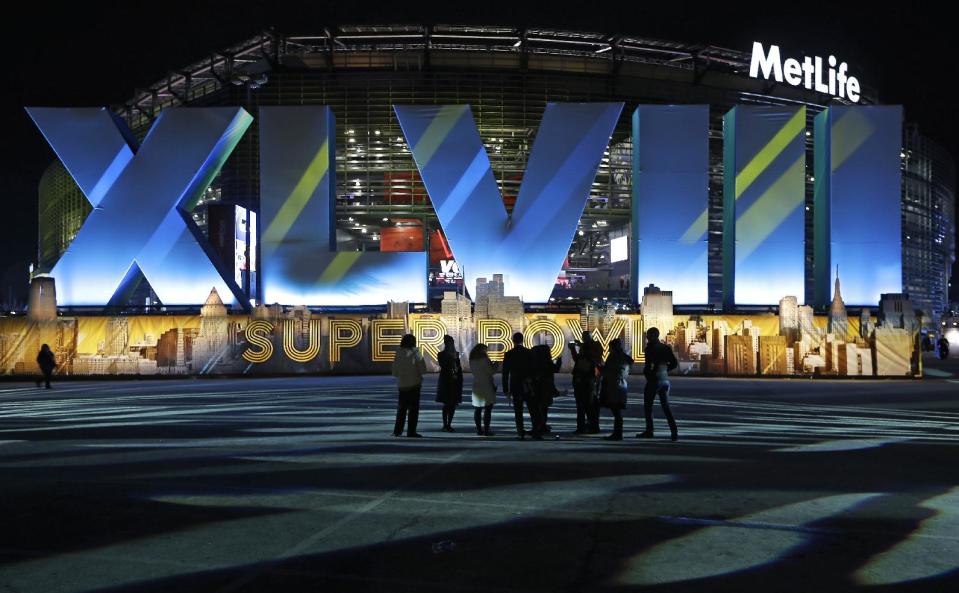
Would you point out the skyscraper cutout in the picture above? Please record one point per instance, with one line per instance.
(838, 322)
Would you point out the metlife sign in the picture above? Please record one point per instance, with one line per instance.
(808, 73)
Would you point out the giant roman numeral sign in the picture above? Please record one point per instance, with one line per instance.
(527, 247)
(141, 199)
(297, 185)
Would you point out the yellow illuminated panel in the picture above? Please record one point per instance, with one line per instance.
(492, 332)
(258, 335)
(575, 328)
(381, 340)
(615, 331)
(313, 342)
(429, 335)
(551, 328)
(637, 339)
(344, 333)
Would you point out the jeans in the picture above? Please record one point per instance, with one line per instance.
(660, 388)
(583, 392)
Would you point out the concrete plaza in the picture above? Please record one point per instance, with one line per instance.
(295, 484)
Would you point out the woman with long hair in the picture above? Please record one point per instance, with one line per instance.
(484, 389)
(544, 381)
(449, 385)
(616, 386)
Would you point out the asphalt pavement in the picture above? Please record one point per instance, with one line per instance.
(296, 484)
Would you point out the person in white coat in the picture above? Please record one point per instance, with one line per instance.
(408, 368)
(484, 389)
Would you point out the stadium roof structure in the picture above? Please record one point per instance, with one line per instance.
(419, 46)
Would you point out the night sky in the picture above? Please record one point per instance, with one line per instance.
(93, 54)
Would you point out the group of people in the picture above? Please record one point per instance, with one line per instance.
(528, 380)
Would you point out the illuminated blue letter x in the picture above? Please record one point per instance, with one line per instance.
(141, 201)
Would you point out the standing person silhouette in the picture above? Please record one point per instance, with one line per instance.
(616, 386)
(408, 368)
(484, 389)
(587, 360)
(544, 371)
(47, 362)
(518, 385)
(943, 345)
(449, 385)
(659, 361)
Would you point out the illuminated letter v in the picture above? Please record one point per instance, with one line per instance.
(529, 247)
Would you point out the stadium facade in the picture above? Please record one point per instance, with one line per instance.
(507, 76)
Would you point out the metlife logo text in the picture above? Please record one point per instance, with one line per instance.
(808, 73)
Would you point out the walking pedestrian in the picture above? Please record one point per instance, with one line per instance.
(47, 362)
(659, 361)
(449, 385)
(616, 386)
(484, 388)
(408, 368)
(943, 345)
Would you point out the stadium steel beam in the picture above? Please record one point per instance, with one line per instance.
(175, 94)
(427, 36)
(329, 47)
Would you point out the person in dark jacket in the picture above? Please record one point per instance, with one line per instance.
(587, 360)
(408, 368)
(518, 373)
(47, 362)
(449, 385)
(616, 386)
(544, 382)
(659, 361)
(943, 345)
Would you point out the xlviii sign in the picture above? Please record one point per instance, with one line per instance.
(142, 197)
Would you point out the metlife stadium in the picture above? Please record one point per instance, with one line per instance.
(507, 76)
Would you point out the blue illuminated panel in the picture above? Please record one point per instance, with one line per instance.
(858, 201)
(529, 247)
(141, 217)
(670, 200)
(93, 144)
(298, 238)
(763, 196)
